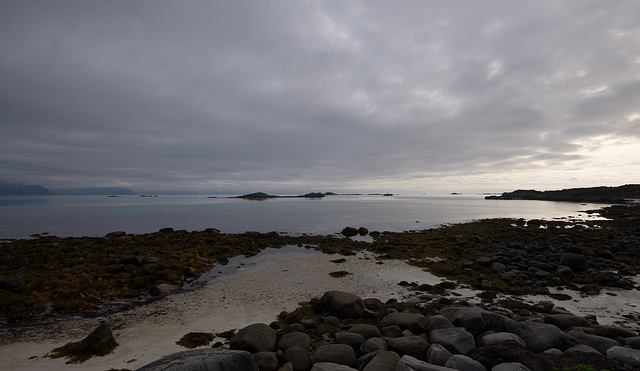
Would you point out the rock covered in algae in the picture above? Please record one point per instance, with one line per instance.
(98, 343)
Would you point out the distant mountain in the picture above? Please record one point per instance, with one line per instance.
(593, 194)
(94, 191)
(7, 188)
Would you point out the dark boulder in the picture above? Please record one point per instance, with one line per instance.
(100, 342)
(204, 360)
(577, 262)
(343, 304)
(254, 338)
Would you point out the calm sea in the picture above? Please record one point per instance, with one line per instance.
(21, 216)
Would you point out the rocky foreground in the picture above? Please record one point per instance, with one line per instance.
(341, 331)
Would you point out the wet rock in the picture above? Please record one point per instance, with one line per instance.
(477, 321)
(500, 337)
(581, 348)
(577, 262)
(329, 366)
(600, 343)
(438, 321)
(266, 361)
(566, 321)
(464, 363)
(100, 342)
(254, 338)
(367, 331)
(613, 332)
(416, 323)
(392, 331)
(625, 355)
(335, 353)
(298, 357)
(343, 304)
(408, 363)
(513, 366)
(350, 338)
(204, 360)
(383, 361)
(414, 346)
(372, 345)
(438, 355)
(457, 340)
(299, 339)
(541, 336)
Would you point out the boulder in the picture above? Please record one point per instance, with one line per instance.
(566, 321)
(207, 359)
(500, 337)
(298, 357)
(414, 346)
(581, 348)
(299, 339)
(343, 304)
(408, 363)
(335, 353)
(383, 361)
(254, 338)
(99, 342)
(438, 321)
(613, 332)
(541, 336)
(328, 366)
(287, 367)
(372, 345)
(512, 366)
(632, 342)
(477, 321)
(625, 355)
(600, 343)
(414, 322)
(367, 331)
(438, 355)
(577, 262)
(266, 361)
(457, 340)
(350, 338)
(392, 331)
(464, 363)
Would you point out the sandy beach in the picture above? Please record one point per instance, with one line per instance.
(256, 290)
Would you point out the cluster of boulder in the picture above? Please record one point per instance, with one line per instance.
(345, 332)
(532, 268)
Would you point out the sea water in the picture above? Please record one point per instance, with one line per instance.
(64, 216)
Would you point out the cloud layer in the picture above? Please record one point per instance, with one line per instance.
(326, 95)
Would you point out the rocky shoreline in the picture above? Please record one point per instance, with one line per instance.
(503, 260)
(341, 331)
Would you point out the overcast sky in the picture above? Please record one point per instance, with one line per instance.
(300, 96)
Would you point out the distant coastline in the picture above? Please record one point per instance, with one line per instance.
(620, 194)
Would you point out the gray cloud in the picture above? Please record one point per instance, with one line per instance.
(355, 95)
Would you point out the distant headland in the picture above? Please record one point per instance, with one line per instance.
(620, 194)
